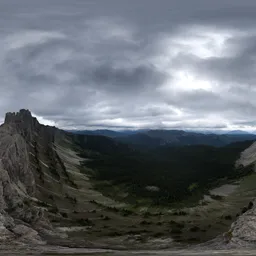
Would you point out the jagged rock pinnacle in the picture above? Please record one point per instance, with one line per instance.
(22, 115)
(23, 121)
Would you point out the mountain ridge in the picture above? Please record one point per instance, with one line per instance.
(143, 139)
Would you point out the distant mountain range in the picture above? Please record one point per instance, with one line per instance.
(148, 139)
(106, 132)
(238, 132)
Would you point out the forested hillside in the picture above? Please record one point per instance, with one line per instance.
(165, 174)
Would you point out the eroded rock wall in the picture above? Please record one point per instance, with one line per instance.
(19, 137)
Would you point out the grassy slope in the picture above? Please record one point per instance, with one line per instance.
(109, 219)
(106, 220)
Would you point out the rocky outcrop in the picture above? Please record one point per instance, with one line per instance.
(26, 234)
(19, 137)
(248, 157)
(243, 231)
(43, 185)
(41, 182)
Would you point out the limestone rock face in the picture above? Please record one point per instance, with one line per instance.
(26, 234)
(243, 231)
(22, 122)
(248, 157)
(42, 183)
(18, 174)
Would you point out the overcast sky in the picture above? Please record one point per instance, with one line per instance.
(130, 64)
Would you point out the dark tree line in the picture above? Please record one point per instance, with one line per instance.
(178, 172)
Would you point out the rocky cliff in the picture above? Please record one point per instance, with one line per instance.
(23, 145)
(44, 190)
(243, 231)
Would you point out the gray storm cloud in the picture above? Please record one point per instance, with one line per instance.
(130, 64)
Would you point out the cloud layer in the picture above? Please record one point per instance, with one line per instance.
(130, 64)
